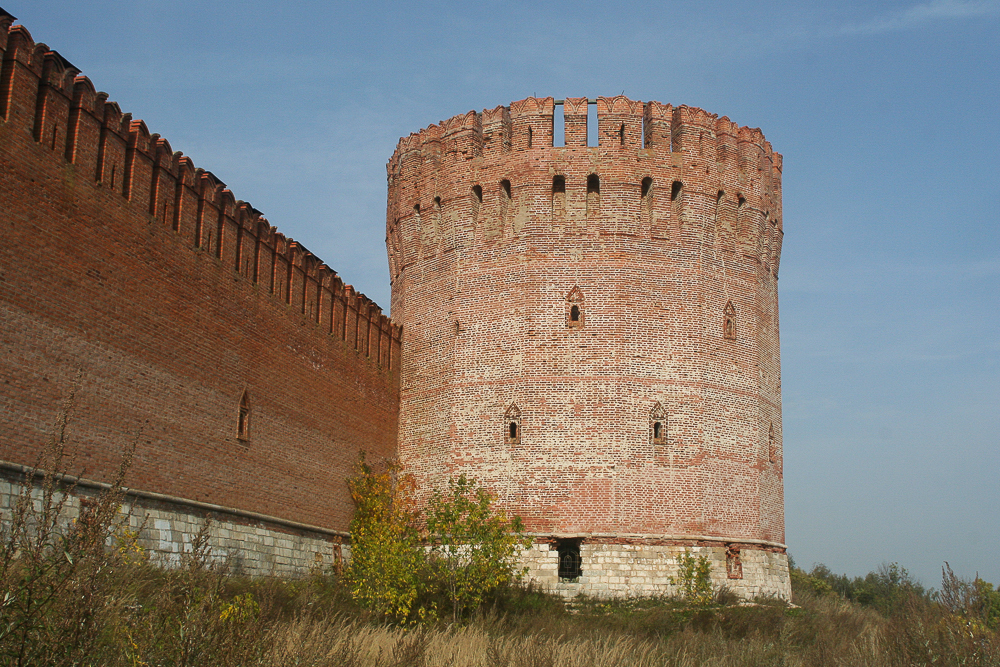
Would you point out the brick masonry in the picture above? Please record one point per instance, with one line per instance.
(591, 331)
(141, 285)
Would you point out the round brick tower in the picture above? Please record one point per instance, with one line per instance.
(592, 333)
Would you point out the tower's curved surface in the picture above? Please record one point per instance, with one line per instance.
(592, 332)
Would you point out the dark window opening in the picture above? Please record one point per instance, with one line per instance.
(621, 135)
(243, 420)
(647, 185)
(505, 186)
(675, 190)
(593, 184)
(569, 560)
(658, 424)
(574, 310)
(529, 136)
(477, 192)
(558, 197)
(512, 430)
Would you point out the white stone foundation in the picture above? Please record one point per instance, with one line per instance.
(645, 570)
(166, 530)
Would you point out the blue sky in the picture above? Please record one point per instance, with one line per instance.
(886, 114)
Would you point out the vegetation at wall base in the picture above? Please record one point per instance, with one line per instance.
(85, 593)
(407, 566)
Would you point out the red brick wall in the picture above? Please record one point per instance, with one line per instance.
(481, 289)
(141, 281)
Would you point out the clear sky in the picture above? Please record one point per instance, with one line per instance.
(886, 114)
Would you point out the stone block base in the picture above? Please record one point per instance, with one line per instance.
(646, 568)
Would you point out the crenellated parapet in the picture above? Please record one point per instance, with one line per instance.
(45, 96)
(678, 174)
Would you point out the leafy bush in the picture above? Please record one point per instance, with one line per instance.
(693, 579)
(387, 558)
(474, 547)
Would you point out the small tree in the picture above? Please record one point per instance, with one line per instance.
(693, 579)
(474, 547)
(386, 552)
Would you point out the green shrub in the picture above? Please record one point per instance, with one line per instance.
(388, 563)
(693, 579)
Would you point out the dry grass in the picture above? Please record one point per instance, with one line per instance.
(83, 594)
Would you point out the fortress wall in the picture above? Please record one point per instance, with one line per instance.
(684, 219)
(140, 284)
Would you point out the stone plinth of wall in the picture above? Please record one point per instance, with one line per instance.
(252, 545)
(647, 570)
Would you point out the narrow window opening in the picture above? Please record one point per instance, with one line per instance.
(621, 135)
(574, 309)
(243, 418)
(529, 136)
(772, 452)
(477, 201)
(570, 563)
(113, 168)
(647, 186)
(506, 209)
(715, 224)
(677, 202)
(675, 190)
(512, 421)
(55, 135)
(734, 563)
(658, 424)
(558, 197)
(729, 322)
(646, 208)
(593, 196)
(740, 205)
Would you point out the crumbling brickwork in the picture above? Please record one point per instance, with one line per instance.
(620, 298)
